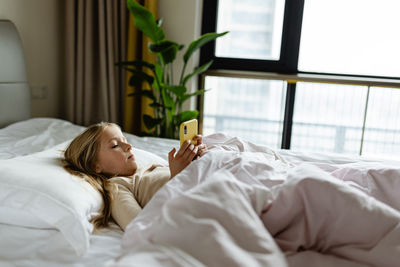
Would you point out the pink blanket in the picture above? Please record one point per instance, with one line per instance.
(245, 205)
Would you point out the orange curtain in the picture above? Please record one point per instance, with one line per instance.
(137, 106)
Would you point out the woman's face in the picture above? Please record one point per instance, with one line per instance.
(115, 156)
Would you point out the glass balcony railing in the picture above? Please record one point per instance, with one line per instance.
(309, 137)
(339, 118)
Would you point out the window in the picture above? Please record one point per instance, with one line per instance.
(382, 127)
(305, 75)
(328, 117)
(264, 34)
(251, 108)
(356, 37)
(255, 29)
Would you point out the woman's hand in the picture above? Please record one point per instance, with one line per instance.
(202, 148)
(184, 157)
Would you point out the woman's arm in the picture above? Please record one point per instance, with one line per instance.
(124, 207)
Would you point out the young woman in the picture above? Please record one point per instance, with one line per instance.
(102, 156)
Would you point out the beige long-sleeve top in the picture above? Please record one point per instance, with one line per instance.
(133, 193)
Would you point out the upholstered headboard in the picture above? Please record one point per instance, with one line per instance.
(15, 98)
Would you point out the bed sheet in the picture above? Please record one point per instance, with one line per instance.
(21, 246)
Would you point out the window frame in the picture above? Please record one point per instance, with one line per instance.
(286, 67)
(289, 54)
(290, 46)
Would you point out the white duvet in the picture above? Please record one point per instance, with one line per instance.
(246, 205)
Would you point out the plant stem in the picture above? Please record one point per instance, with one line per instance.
(171, 71)
(182, 73)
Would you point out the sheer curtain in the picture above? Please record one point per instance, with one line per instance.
(96, 38)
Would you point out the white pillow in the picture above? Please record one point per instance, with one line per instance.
(16, 217)
(144, 158)
(42, 190)
(36, 191)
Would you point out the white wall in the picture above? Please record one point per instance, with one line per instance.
(182, 24)
(39, 23)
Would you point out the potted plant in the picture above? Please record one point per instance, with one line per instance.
(154, 81)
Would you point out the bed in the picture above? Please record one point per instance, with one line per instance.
(241, 204)
(211, 214)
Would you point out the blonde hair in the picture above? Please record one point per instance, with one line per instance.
(80, 159)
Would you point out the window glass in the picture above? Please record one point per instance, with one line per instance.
(382, 127)
(250, 108)
(255, 28)
(357, 37)
(328, 117)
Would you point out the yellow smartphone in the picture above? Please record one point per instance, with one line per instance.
(187, 131)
